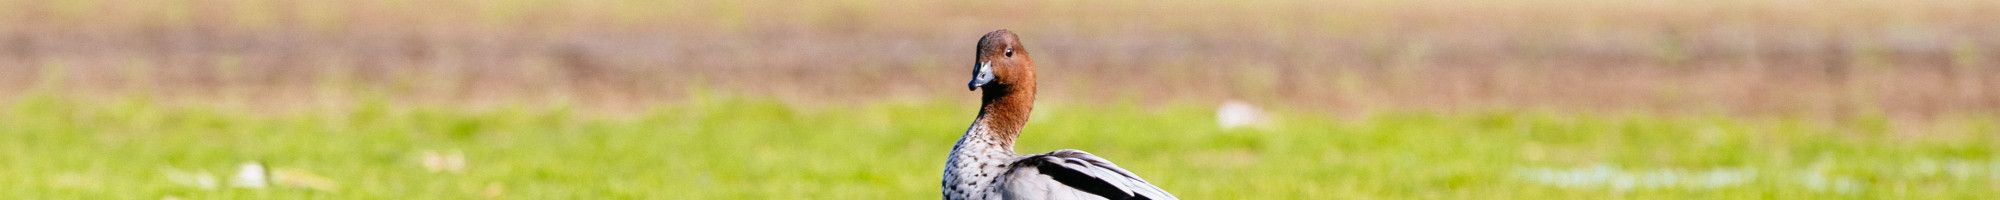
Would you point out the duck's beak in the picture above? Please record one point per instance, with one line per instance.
(981, 75)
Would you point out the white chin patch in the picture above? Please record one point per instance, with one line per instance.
(986, 69)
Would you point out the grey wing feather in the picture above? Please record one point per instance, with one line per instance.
(1072, 174)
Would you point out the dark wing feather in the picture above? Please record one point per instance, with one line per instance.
(1072, 174)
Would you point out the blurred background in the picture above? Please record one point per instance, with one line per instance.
(853, 99)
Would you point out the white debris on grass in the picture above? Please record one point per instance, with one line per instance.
(1957, 169)
(444, 161)
(1234, 114)
(1826, 183)
(251, 175)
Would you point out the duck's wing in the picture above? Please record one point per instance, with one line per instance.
(1072, 174)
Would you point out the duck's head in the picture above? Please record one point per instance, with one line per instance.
(1001, 63)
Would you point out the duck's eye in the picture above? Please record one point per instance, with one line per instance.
(1010, 52)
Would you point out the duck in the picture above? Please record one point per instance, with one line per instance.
(983, 165)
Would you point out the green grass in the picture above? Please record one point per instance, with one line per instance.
(749, 148)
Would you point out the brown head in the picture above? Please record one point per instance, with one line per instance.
(1002, 68)
(1000, 63)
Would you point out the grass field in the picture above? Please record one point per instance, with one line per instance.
(860, 99)
(744, 148)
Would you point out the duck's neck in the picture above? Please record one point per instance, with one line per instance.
(1002, 113)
